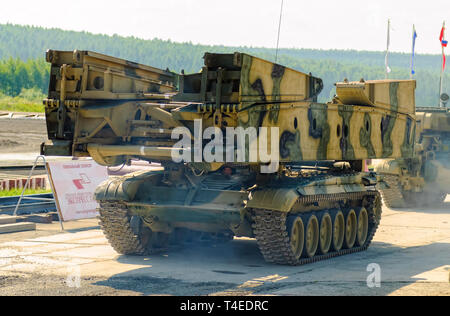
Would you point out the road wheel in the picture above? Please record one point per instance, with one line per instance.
(363, 227)
(311, 236)
(150, 240)
(297, 237)
(326, 233)
(350, 229)
(338, 231)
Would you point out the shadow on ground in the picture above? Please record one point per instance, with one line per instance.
(237, 268)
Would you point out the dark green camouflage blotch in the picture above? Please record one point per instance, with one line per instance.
(408, 142)
(388, 122)
(256, 114)
(365, 136)
(393, 95)
(248, 88)
(290, 146)
(346, 112)
(277, 76)
(245, 75)
(319, 127)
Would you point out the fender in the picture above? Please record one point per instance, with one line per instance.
(273, 199)
(124, 188)
(283, 199)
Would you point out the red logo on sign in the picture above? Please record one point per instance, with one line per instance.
(84, 179)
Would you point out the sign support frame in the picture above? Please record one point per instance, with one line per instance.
(42, 199)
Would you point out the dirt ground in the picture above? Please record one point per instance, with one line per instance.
(21, 135)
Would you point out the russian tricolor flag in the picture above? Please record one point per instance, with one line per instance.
(444, 44)
(441, 38)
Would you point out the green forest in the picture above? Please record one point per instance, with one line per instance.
(24, 73)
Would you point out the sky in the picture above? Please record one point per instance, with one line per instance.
(323, 24)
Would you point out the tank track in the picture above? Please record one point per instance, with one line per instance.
(393, 196)
(270, 229)
(115, 223)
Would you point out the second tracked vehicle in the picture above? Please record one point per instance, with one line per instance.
(423, 180)
(286, 169)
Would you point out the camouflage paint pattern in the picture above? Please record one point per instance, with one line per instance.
(90, 75)
(332, 131)
(133, 116)
(92, 81)
(373, 119)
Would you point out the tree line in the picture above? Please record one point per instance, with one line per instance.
(16, 75)
(22, 65)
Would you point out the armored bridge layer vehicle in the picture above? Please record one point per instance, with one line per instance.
(287, 170)
(423, 180)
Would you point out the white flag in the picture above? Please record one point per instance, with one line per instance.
(386, 60)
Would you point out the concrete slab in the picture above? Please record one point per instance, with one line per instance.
(16, 227)
(36, 218)
(92, 252)
(43, 248)
(69, 237)
(7, 219)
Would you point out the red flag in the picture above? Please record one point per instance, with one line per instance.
(444, 44)
(441, 38)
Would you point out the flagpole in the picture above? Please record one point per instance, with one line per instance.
(442, 70)
(386, 60)
(412, 53)
(279, 28)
